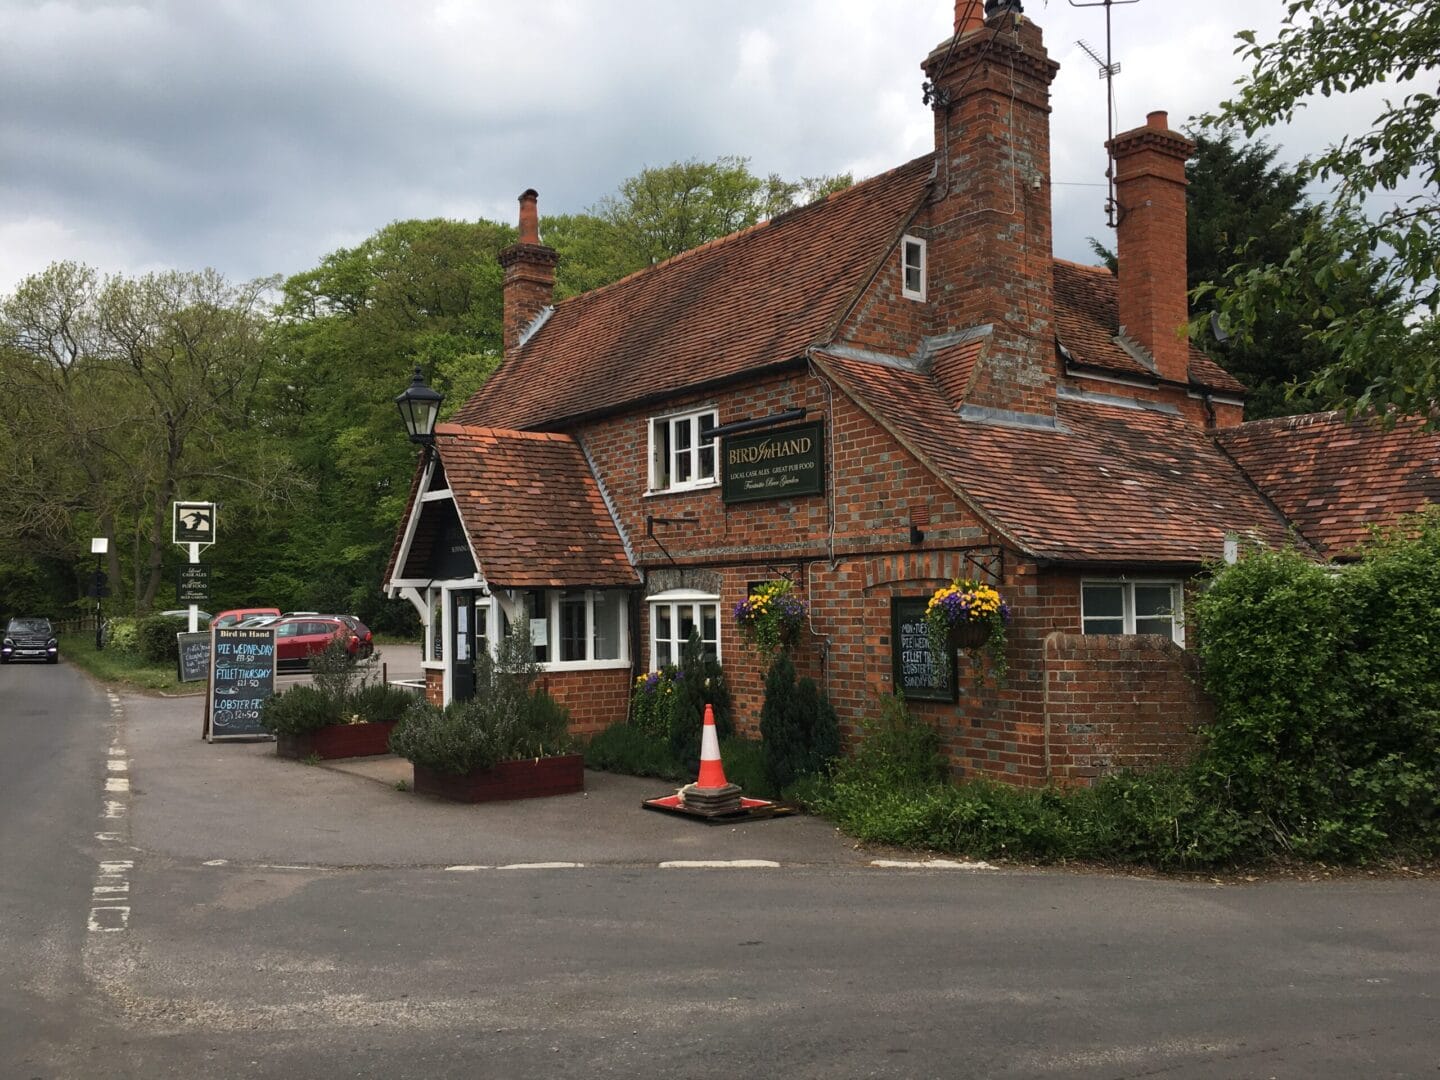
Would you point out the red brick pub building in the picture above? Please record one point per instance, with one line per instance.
(907, 387)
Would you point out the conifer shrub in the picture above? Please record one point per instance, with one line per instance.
(699, 682)
(799, 734)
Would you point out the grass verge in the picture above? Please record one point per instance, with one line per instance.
(110, 666)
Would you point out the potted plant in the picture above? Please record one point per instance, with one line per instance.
(967, 614)
(334, 718)
(770, 618)
(509, 741)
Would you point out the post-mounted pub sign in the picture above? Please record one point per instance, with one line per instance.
(194, 523)
(192, 584)
(775, 464)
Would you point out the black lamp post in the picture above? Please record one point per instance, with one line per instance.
(420, 408)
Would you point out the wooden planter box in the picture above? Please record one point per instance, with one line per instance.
(337, 741)
(508, 780)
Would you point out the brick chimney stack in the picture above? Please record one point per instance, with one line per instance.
(529, 274)
(1150, 245)
(988, 230)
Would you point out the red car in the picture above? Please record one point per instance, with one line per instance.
(238, 615)
(299, 637)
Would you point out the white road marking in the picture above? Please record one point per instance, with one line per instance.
(541, 866)
(216, 862)
(118, 765)
(467, 868)
(719, 864)
(109, 919)
(929, 864)
(114, 808)
(116, 784)
(109, 837)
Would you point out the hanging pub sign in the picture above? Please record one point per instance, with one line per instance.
(775, 464)
(917, 674)
(194, 522)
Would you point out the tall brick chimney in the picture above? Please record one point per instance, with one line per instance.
(1150, 245)
(529, 274)
(988, 229)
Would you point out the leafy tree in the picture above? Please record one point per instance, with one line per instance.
(1331, 47)
(129, 393)
(664, 210)
(348, 335)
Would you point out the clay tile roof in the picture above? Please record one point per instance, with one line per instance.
(1335, 477)
(1087, 317)
(532, 507)
(743, 303)
(1109, 485)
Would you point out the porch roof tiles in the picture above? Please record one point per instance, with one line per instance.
(533, 510)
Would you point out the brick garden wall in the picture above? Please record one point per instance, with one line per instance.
(1119, 703)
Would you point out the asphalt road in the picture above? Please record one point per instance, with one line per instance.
(173, 908)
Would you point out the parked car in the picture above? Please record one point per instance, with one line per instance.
(235, 616)
(184, 613)
(300, 637)
(259, 620)
(29, 639)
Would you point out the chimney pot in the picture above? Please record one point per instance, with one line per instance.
(1158, 119)
(969, 16)
(529, 217)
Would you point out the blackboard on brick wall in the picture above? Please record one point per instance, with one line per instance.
(917, 670)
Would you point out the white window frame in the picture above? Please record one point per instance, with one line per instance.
(693, 418)
(917, 244)
(552, 631)
(675, 599)
(1127, 588)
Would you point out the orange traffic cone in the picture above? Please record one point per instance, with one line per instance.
(710, 795)
(712, 773)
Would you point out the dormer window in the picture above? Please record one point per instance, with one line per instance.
(912, 262)
(682, 451)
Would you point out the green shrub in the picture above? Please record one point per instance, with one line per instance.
(333, 670)
(652, 703)
(379, 703)
(504, 721)
(896, 749)
(626, 748)
(798, 730)
(299, 711)
(122, 636)
(1327, 687)
(155, 638)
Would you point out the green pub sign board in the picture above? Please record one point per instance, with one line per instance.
(917, 674)
(776, 464)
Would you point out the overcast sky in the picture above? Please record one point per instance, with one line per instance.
(255, 136)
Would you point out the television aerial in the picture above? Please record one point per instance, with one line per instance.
(1109, 68)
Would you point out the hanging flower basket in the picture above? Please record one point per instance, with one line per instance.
(967, 614)
(770, 618)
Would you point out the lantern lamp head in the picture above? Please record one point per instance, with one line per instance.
(419, 408)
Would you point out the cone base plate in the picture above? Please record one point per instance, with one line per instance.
(750, 810)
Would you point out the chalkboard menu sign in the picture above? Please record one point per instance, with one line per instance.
(917, 671)
(242, 676)
(193, 660)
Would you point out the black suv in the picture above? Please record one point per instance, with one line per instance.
(29, 639)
